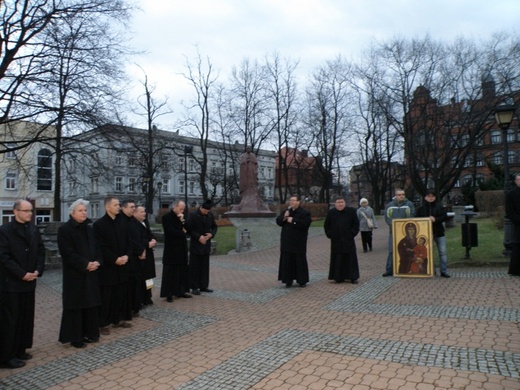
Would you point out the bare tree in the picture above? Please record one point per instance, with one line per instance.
(202, 77)
(328, 117)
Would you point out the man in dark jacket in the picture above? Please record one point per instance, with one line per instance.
(112, 235)
(513, 213)
(22, 260)
(136, 254)
(175, 277)
(81, 258)
(203, 229)
(341, 226)
(295, 223)
(148, 241)
(437, 214)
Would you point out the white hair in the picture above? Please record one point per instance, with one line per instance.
(77, 203)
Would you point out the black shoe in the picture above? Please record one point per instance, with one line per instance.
(169, 299)
(13, 363)
(185, 295)
(89, 340)
(195, 291)
(303, 284)
(24, 356)
(136, 314)
(445, 275)
(78, 344)
(365, 251)
(387, 274)
(355, 281)
(206, 290)
(288, 285)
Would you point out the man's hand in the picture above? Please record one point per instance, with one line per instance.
(122, 260)
(30, 276)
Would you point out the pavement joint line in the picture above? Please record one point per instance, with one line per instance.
(260, 360)
(173, 324)
(360, 300)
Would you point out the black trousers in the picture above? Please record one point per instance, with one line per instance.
(115, 304)
(199, 271)
(366, 240)
(16, 324)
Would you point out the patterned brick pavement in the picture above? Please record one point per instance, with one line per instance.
(253, 333)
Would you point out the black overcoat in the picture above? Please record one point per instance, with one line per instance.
(112, 235)
(294, 235)
(437, 210)
(78, 247)
(175, 240)
(341, 227)
(21, 251)
(513, 213)
(145, 235)
(201, 225)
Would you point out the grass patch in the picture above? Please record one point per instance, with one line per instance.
(226, 239)
(490, 245)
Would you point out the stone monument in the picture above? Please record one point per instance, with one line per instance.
(251, 212)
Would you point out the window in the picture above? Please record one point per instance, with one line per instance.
(12, 153)
(94, 184)
(10, 181)
(496, 137)
(44, 181)
(270, 173)
(72, 188)
(119, 159)
(181, 187)
(192, 166)
(131, 184)
(511, 135)
(94, 210)
(480, 161)
(192, 187)
(165, 186)
(119, 184)
(132, 160)
(497, 158)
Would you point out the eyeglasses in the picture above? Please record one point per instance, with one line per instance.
(25, 211)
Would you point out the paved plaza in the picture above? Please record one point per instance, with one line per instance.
(254, 333)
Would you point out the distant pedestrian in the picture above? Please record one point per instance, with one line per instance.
(399, 207)
(81, 258)
(22, 261)
(437, 214)
(295, 223)
(341, 226)
(513, 213)
(367, 223)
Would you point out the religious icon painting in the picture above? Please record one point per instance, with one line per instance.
(413, 248)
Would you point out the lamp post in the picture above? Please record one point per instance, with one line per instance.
(187, 150)
(159, 187)
(357, 171)
(504, 116)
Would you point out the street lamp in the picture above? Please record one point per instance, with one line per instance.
(504, 117)
(159, 187)
(357, 171)
(187, 150)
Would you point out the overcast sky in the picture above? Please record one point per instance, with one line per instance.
(311, 31)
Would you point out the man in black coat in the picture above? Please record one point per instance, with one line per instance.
(295, 223)
(513, 213)
(22, 261)
(203, 229)
(148, 241)
(113, 236)
(341, 226)
(136, 255)
(81, 258)
(175, 277)
(437, 214)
